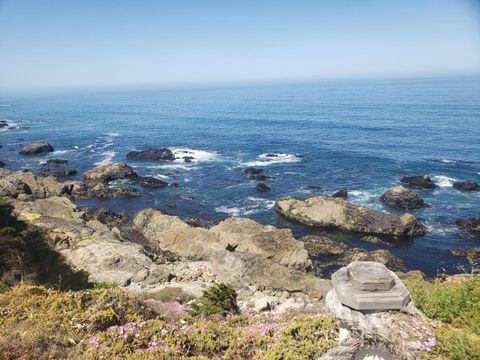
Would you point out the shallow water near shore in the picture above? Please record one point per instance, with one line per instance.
(362, 135)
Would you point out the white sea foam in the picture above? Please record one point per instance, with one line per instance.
(107, 157)
(197, 155)
(249, 206)
(273, 158)
(443, 181)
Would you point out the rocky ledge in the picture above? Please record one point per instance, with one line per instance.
(37, 147)
(402, 198)
(338, 213)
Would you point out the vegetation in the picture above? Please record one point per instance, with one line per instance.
(455, 308)
(216, 299)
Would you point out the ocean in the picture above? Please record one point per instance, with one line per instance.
(363, 135)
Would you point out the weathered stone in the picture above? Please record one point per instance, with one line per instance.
(342, 193)
(37, 147)
(151, 182)
(420, 182)
(262, 187)
(366, 285)
(402, 198)
(110, 172)
(466, 186)
(469, 227)
(163, 154)
(328, 212)
(471, 254)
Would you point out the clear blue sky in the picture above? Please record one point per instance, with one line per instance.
(76, 43)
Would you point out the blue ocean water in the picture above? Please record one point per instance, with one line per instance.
(362, 135)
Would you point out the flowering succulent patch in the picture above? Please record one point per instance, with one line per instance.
(425, 338)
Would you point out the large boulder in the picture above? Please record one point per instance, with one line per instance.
(338, 213)
(419, 182)
(25, 185)
(247, 235)
(402, 198)
(110, 172)
(466, 186)
(152, 154)
(151, 182)
(37, 147)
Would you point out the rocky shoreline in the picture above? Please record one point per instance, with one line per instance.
(153, 251)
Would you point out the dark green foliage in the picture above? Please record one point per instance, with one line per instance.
(216, 299)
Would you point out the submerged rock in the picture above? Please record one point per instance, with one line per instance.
(420, 182)
(402, 198)
(262, 187)
(471, 254)
(55, 162)
(110, 172)
(328, 212)
(151, 182)
(253, 171)
(163, 154)
(2, 164)
(37, 147)
(470, 226)
(342, 193)
(466, 186)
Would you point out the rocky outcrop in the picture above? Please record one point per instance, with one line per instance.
(151, 182)
(105, 216)
(335, 254)
(342, 193)
(419, 182)
(55, 162)
(471, 254)
(466, 186)
(402, 198)
(337, 213)
(261, 187)
(469, 227)
(37, 147)
(25, 185)
(110, 172)
(162, 154)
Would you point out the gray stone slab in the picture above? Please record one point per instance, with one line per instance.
(368, 285)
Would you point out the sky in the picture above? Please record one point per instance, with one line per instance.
(95, 43)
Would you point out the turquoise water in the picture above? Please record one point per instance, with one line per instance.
(362, 135)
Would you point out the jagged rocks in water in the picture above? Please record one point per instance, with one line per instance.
(151, 182)
(402, 198)
(262, 187)
(329, 212)
(469, 226)
(105, 216)
(253, 171)
(110, 172)
(372, 239)
(2, 164)
(103, 191)
(188, 159)
(312, 188)
(419, 182)
(58, 172)
(342, 193)
(259, 177)
(37, 147)
(55, 162)
(163, 154)
(3, 123)
(471, 254)
(467, 186)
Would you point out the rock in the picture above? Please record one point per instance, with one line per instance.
(253, 171)
(55, 162)
(110, 172)
(163, 154)
(102, 191)
(421, 182)
(467, 186)
(402, 198)
(3, 123)
(372, 239)
(151, 182)
(105, 216)
(37, 147)
(470, 226)
(13, 184)
(2, 164)
(188, 159)
(328, 212)
(262, 187)
(472, 254)
(312, 188)
(342, 193)
(266, 241)
(323, 246)
(63, 172)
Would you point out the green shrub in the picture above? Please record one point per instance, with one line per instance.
(216, 299)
